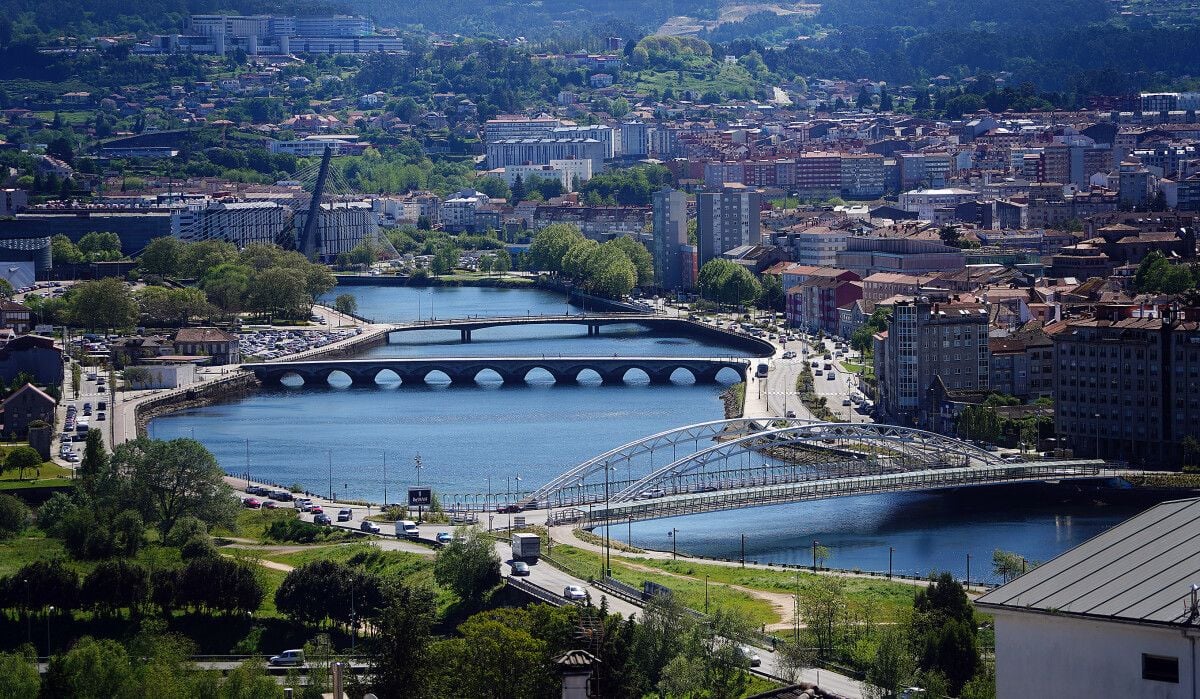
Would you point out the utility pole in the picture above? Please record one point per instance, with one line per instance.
(891, 550)
(385, 497)
(743, 550)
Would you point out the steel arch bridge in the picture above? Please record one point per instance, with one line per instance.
(849, 449)
(579, 486)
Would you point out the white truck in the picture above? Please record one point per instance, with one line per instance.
(526, 547)
(407, 529)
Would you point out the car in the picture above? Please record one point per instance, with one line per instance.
(369, 527)
(72, 457)
(293, 658)
(1012, 459)
(831, 376)
(316, 509)
(102, 405)
(749, 654)
(790, 413)
(507, 509)
(574, 592)
(443, 538)
(520, 568)
(101, 389)
(281, 495)
(345, 514)
(846, 402)
(99, 417)
(305, 505)
(269, 505)
(322, 518)
(252, 503)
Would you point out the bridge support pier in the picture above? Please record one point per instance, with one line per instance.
(464, 335)
(593, 329)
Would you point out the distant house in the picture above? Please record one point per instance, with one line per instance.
(135, 349)
(27, 404)
(1116, 616)
(221, 346)
(35, 356)
(15, 316)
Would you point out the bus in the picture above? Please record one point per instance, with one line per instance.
(762, 371)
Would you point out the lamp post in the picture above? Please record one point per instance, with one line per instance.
(674, 538)
(968, 570)
(706, 594)
(607, 527)
(247, 462)
(815, 545)
(417, 464)
(329, 454)
(743, 550)
(891, 550)
(49, 612)
(385, 497)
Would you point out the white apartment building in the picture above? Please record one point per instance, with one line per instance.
(925, 201)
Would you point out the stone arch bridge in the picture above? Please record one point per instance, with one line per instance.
(464, 370)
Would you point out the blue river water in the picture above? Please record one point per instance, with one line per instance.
(356, 441)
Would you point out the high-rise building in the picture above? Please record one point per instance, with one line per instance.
(928, 337)
(670, 234)
(726, 220)
(635, 138)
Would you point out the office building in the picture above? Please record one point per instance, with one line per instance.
(508, 127)
(670, 235)
(726, 220)
(540, 151)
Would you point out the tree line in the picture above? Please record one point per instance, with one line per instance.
(611, 269)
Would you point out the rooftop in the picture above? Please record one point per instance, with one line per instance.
(1139, 571)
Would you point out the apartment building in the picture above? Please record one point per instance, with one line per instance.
(929, 337)
(541, 151)
(1127, 383)
(512, 126)
(726, 220)
(670, 235)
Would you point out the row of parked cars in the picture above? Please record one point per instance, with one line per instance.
(273, 344)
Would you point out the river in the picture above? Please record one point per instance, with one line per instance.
(346, 439)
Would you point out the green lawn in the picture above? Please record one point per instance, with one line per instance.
(689, 591)
(888, 599)
(856, 368)
(51, 474)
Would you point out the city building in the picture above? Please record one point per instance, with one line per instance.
(815, 303)
(541, 151)
(509, 127)
(1117, 615)
(314, 146)
(219, 346)
(867, 255)
(635, 139)
(929, 337)
(32, 355)
(726, 220)
(817, 246)
(670, 234)
(863, 176)
(926, 201)
(16, 316)
(274, 35)
(26, 405)
(1127, 383)
(13, 201)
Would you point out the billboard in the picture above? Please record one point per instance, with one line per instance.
(420, 497)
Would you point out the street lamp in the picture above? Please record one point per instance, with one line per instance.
(49, 612)
(417, 464)
(329, 454)
(706, 593)
(743, 550)
(247, 462)
(891, 550)
(385, 497)
(968, 570)
(815, 545)
(674, 538)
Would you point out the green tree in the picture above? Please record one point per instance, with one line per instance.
(1007, 564)
(891, 665)
(550, 245)
(227, 286)
(174, 479)
(400, 660)
(162, 256)
(14, 516)
(21, 458)
(468, 566)
(92, 669)
(486, 658)
(501, 262)
(19, 675)
(944, 631)
(518, 190)
(101, 246)
(822, 606)
(727, 282)
(637, 253)
(346, 304)
(102, 303)
(772, 296)
(278, 292)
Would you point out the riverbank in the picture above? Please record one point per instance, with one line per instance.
(428, 281)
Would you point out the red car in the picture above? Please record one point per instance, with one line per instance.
(252, 503)
(316, 510)
(269, 504)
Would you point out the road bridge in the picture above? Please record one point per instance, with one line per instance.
(593, 323)
(465, 370)
(726, 464)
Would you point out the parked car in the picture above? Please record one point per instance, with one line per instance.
(294, 658)
(322, 518)
(520, 568)
(369, 527)
(252, 503)
(345, 514)
(574, 592)
(269, 505)
(751, 655)
(443, 538)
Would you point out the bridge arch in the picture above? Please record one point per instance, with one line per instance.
(387, 378)
(674, 443)
(880, 447)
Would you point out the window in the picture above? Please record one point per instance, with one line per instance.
(1160, 668)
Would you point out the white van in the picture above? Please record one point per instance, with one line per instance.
(407, 529)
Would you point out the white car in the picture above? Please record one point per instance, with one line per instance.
(750, 655)
(574, 592)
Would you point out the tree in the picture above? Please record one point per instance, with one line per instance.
(278, 291)
(501, 262)
(96, 477)
(518, 190)
(14, 515)
(468, 566)
(102, 303)
(19, 675)
(116, 584)
(162, 256)
(944, 631)
(400, 661)
(637, 253)
(173, 479)
(885, 100)
(822, 605)
(51, 584)
(550, 245)
(891, 665)
(1007, 564)
(227, 286)
(727, 282)
(101, 246)
(772, 297)
(21, 458)
(486, 658)
(92, 669)
(346, 304)
(137, 377)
